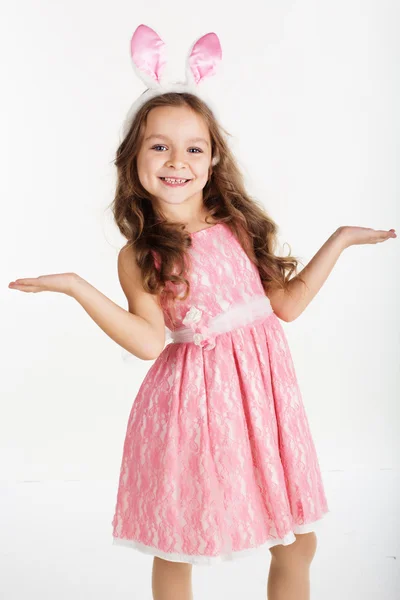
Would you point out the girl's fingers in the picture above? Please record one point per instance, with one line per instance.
(26, 281)
(25, 285)
(25, 288)
(388, 234)
(380, 235)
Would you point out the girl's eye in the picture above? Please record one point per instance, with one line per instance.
(162, 146)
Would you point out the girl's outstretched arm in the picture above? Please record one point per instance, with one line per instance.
(140, 330)
(290, 304)
(131, 331)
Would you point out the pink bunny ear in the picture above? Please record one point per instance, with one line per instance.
(206, 53)
(148, 54)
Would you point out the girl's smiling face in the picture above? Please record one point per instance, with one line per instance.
(176, 144)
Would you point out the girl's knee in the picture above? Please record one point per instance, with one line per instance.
(308, 543)
(301, 551)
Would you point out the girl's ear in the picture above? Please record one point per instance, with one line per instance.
(148, 54)
(203, 58)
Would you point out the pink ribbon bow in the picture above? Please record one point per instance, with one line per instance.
(199, 324)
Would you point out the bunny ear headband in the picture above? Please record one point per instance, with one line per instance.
(149, 59)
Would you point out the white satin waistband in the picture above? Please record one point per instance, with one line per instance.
(202, 329)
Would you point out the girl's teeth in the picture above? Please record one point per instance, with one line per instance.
(173, 180)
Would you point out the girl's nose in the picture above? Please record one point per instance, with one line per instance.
(175, 161)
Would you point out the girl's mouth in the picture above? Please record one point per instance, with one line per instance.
(173, 182)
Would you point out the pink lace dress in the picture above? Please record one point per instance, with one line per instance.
(218, 459)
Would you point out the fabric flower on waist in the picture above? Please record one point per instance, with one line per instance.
(199, 324)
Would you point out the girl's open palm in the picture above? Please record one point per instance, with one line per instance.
(364, 235)
(59, 282)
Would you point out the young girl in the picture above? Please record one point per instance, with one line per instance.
(218, 459)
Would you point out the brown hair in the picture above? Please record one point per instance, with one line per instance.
(225, 200)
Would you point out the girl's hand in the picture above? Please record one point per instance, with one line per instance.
(352, 236)
(60, 282)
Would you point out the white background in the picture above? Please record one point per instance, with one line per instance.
(308, 91)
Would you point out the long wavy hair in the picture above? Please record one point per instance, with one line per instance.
(159, 245)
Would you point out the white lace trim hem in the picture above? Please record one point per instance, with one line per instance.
(289, 538)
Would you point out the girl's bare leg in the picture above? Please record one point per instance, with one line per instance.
(289, 575)
(171, 580)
